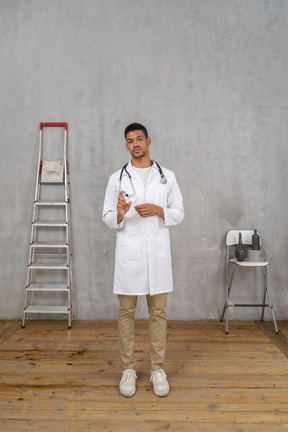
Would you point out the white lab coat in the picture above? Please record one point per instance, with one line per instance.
(142, 256)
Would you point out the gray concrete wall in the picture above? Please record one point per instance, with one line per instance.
(207, 77)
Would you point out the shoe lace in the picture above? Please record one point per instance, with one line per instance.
(158, 375)
(129, 374)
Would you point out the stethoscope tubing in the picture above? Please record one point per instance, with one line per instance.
(162, 176)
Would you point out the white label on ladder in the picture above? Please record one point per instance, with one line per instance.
(52, 172)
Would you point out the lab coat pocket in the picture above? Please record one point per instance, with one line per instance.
(128, 247)
(163, 243)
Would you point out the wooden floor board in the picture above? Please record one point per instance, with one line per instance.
(55, 379)
(97, 426)
(7, 328)
(279, 340)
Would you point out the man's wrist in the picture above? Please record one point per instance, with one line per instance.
(160, 212)
(119, 218)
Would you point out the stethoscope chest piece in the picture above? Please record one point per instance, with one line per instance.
(163, 178)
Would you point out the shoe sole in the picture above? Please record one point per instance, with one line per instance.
(162, 394)
(127, 395)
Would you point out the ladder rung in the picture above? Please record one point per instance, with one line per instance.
(252, 305)
(50, 256)
(47, 287)
(48, 266)
(50, 203)
(52, 183)
(49, 223)
(47, 309)
(49, 245)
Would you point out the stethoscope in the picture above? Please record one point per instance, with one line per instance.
(162, 179)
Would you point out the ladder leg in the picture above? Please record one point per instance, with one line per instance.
(23, 319)
(69, 319)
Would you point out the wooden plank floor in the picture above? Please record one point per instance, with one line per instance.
(55, 379)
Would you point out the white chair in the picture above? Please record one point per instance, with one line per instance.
(232, 239)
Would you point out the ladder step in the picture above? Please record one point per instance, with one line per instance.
(49, 245)
(48, 287)
(50, 203)
(48, 256)
(61, 183)
(48, 266)
(50, 223)
(47, 309)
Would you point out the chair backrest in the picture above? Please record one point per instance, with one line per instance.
(232, 237)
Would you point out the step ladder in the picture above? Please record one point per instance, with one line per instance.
(49, 277)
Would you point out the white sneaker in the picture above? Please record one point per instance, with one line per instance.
(160, 383)
(128, 383)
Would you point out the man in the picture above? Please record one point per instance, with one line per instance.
(142, 200)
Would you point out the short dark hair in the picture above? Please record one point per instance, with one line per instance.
(135, 126)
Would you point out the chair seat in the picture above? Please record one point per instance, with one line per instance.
(247, 263)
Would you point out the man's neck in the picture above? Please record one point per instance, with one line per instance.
(141, 163)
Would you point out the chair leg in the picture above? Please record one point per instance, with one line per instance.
(270, 300)
(264, 298)
(226, 305)
(224, 311)
(227, 320)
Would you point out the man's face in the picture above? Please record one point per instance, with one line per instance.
(137, 144)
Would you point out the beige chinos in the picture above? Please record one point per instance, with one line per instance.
(157, 329)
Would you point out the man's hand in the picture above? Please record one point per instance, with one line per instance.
(122, 207)
(147, 210)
